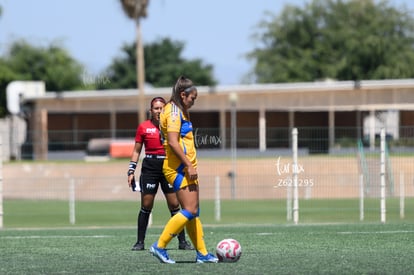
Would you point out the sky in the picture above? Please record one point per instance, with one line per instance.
(93, 31)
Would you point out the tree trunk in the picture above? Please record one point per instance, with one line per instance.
(140, 74)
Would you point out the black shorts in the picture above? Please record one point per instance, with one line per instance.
(152, 176)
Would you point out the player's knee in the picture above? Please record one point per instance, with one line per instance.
(195, 212)
(189, 215)
(147, 206)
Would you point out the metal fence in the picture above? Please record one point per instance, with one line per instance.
(350, 168)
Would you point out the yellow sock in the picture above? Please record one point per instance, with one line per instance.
(174, 226)
(196, 234)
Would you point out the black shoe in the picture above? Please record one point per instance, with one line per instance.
(138, 246)
(184, 245)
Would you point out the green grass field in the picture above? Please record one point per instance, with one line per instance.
(29, 214)
(267, 249)
(329, 239)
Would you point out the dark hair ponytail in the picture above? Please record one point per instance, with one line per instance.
(183, 84)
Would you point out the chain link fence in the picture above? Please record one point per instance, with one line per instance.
(327, 169)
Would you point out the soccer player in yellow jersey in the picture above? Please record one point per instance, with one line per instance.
(180, 170)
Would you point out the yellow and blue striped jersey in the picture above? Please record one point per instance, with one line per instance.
(172, 119)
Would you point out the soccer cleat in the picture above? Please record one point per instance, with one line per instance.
(208, 258)
(161, 254)
(138, 246)
(184, 245)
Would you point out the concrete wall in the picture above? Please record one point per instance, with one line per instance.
(13, 134)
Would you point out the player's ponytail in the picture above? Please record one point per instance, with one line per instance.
(183, 84)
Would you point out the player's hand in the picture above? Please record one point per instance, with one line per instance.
(131, 182)
(131, 179)
(192, 173)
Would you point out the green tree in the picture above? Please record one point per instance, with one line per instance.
(163, 64)
(6, 76)
(338, 39)
(52, 64)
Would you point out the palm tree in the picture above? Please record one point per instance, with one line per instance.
(136, 9)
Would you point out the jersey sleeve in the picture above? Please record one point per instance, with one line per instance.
(139, 135)
(173, 119)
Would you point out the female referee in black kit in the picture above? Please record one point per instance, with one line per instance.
(148, 134)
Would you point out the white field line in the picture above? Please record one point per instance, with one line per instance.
(55, 237)
(345, 232)
(377, 232)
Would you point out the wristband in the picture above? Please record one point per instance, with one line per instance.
(132, 165)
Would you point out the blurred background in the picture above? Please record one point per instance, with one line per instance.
(77, 77)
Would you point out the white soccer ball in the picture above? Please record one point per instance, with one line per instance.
(228, 250)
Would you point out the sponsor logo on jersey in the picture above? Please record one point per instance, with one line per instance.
(151, 130)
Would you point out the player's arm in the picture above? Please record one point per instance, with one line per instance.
(133, 162)
(173, 142)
